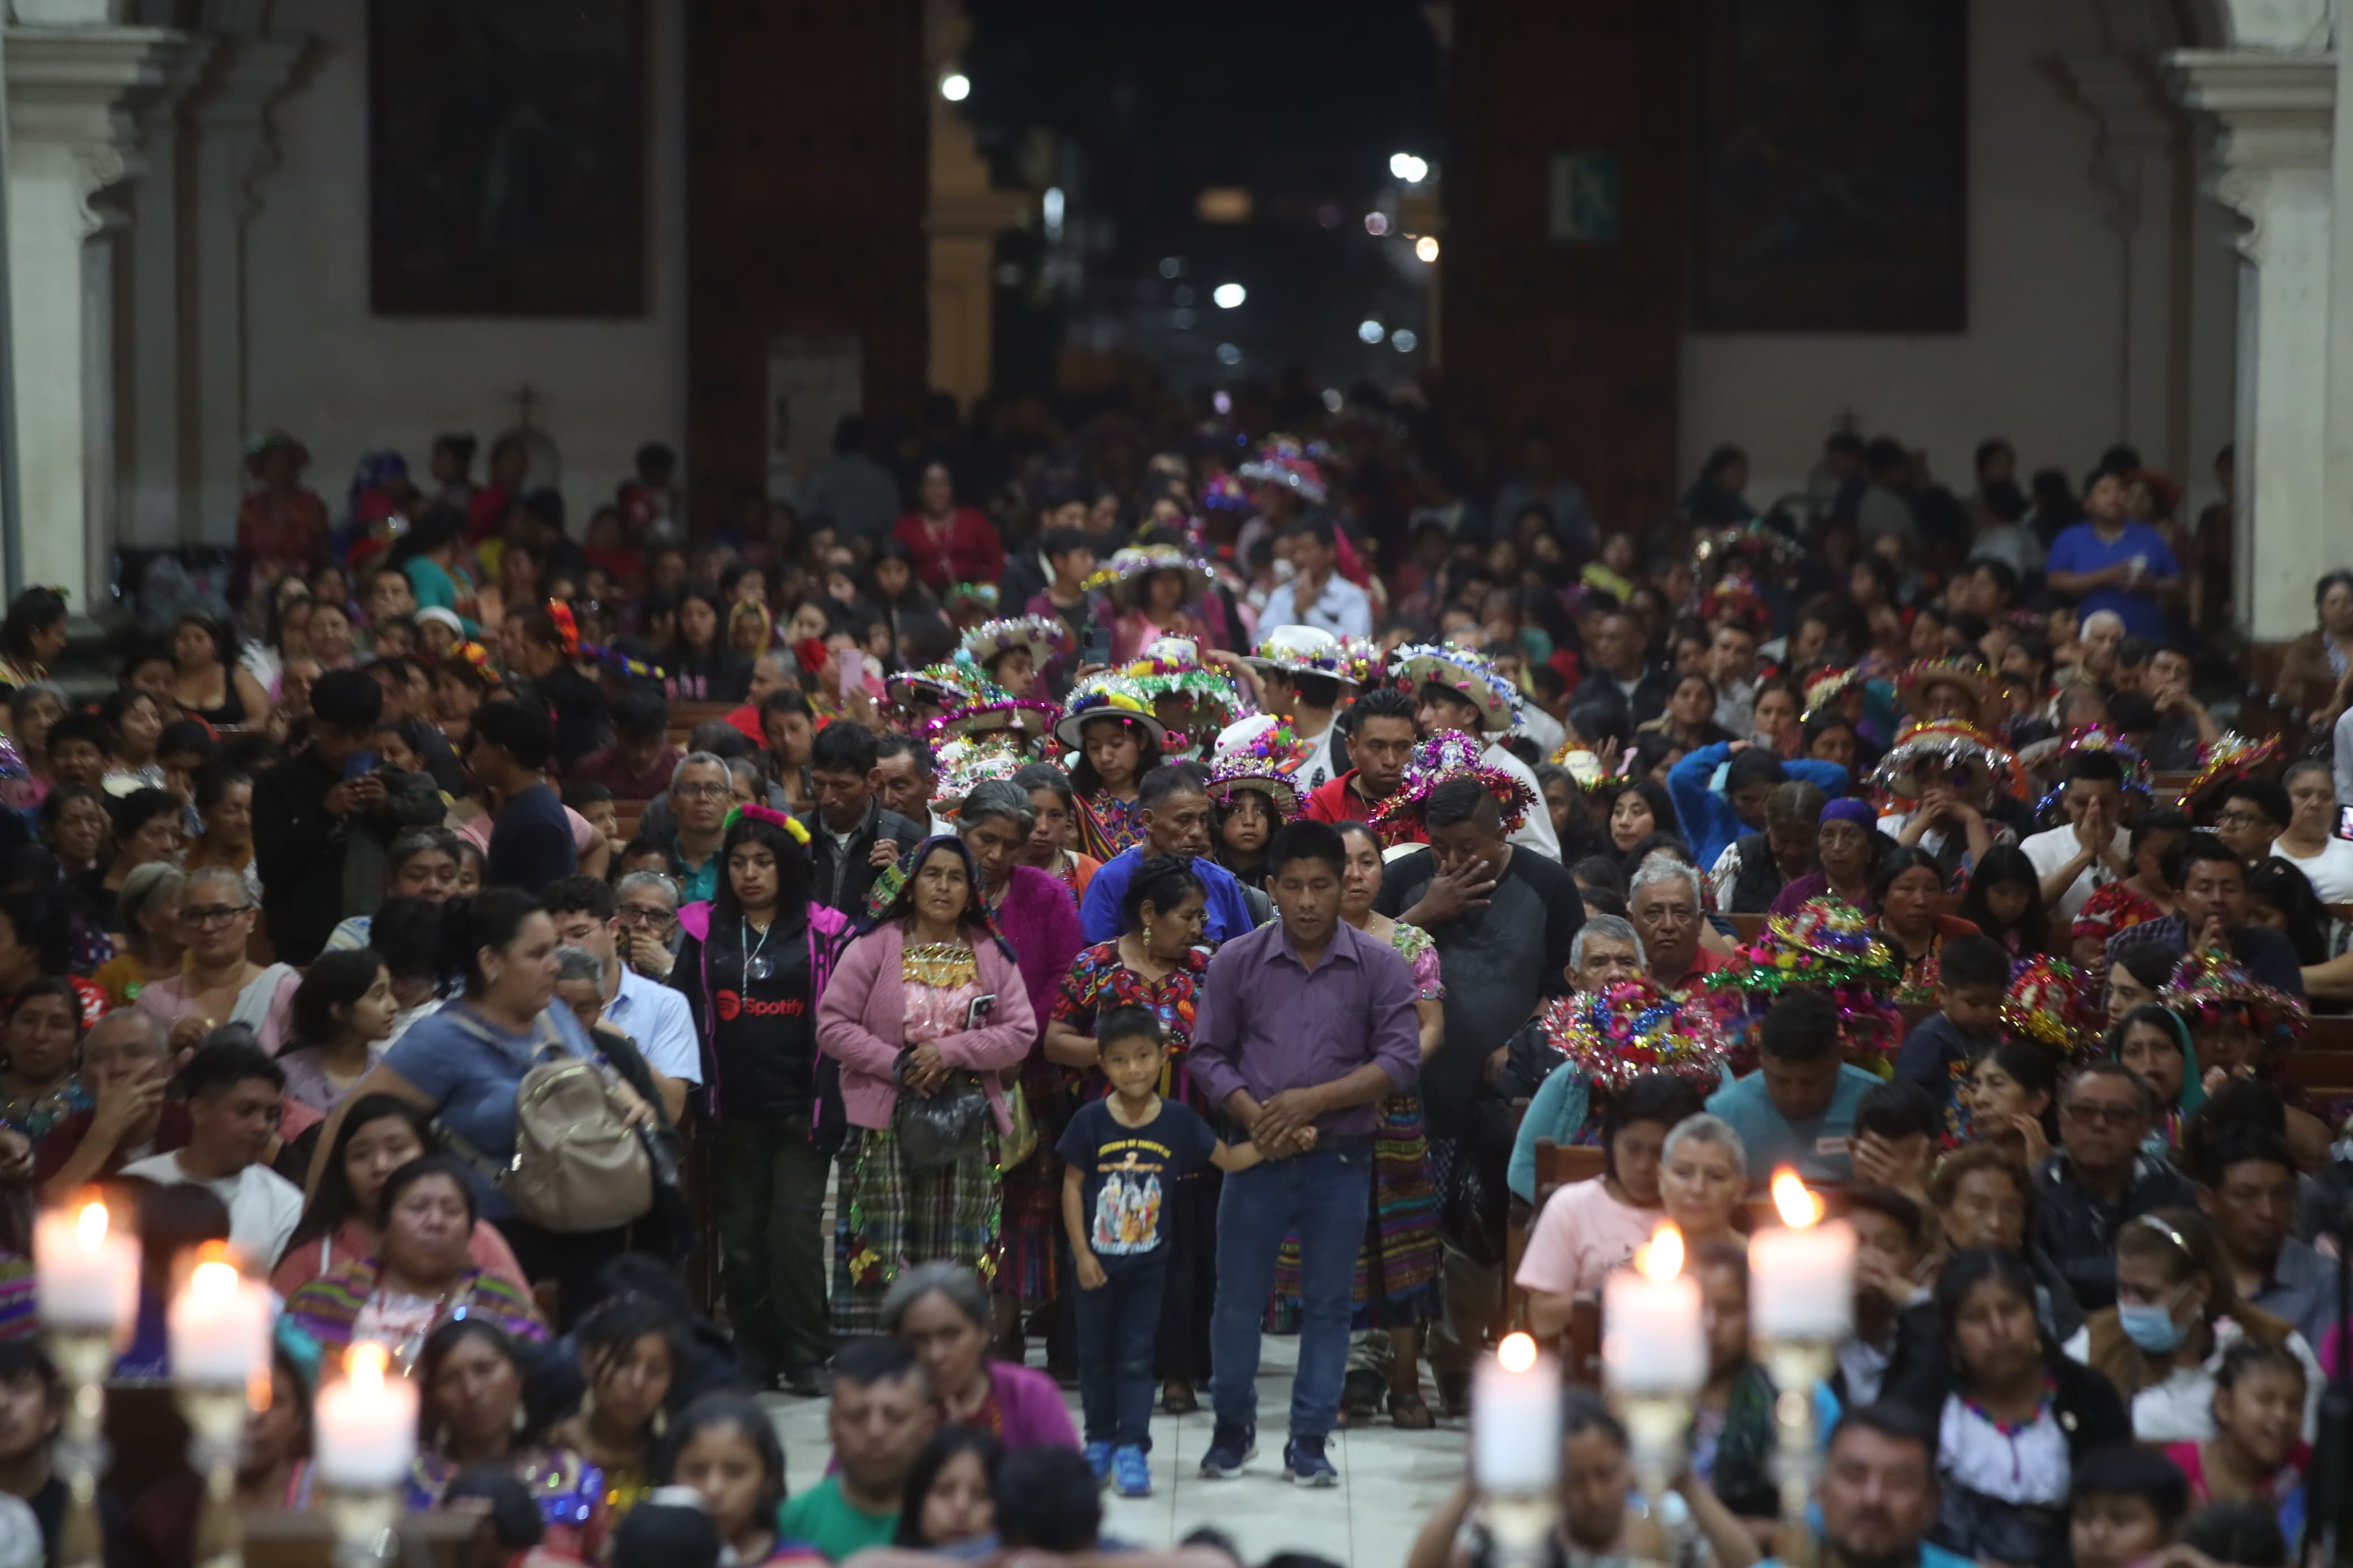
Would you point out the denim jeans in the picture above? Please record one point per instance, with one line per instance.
(1324, 1195)
(1117, 1322)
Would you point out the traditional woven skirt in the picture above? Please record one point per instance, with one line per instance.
(1030, 1268)
(1397, 1281)
(891, 1217)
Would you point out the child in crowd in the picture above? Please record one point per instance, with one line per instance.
(1126, 1153)
(2126, 1507)
(2257, 1452)
(1937, 1054)
(2005, 901)
(1891, 1243)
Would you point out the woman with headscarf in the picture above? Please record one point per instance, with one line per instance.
(925, 1012)
(1845, 846)
(2155, 1043)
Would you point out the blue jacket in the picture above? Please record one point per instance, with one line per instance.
(1709, 821)
(1100, 917)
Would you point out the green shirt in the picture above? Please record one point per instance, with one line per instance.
(824, 1519)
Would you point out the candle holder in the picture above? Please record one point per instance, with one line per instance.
(216, 1415)
(1655, 1425)
(1521, 1525)
(84, 1356)
(363, 1518)
(1797, 1364)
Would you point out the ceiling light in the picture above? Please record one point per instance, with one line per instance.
(1377, 224)
(956, 87)
(1369, 330)
(1229, 295)
(1426, 247)
(1404, 341)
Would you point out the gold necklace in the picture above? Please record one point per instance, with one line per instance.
(943, 965)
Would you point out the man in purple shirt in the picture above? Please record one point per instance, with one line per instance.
(1305, 1027)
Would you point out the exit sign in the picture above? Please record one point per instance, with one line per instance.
(1586, 198)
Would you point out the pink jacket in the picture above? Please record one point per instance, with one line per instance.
(861, 1024)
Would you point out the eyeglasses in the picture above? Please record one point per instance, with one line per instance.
(701, 790)
(2240, 819)
(212, 914)
(2102, 1115)
(633, 915)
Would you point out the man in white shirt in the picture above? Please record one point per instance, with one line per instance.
(235, 1095)
(586, 915)
(1316, 595)
(2093, 849)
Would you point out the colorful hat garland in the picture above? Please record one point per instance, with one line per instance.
(981, 594)
(1045, 637)
(1264, 762)
(1617, 1035)
(1828, 687)
(1828, 945)
(1754, 540)
(1299, 650)
(1733, 597)
(1460, 670)
(2227, 756)
(1106, 695)
(1361, 662)
(962, 765)
(1451, 754)
(478, 656)
(2089, 738)
(958, 683)
(790, 826)
(1172, 666)
(1924, 676)
(2211, 987)
(2114, 907)
(1283, 461)
(1582, 764)
(567, 635)
(1129, 566)
(1945, 744)
(2042, 1005)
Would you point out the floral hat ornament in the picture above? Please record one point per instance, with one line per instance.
(955, 684)
(1451, 754)
(1283, 461)
(1582, 764)
(1828, 687)
(1300, 650)
(1459, 670)
(964, 763)
(1924, 676)
(1044, 636)
(1614, 1036)
(1926, 747)
(1172, 666)
(1125, 572)
(2211, 987)
(1361, 662)
(2112, 909)
(789, 825)
(1826, 945)
(2044, 1007)
(2089, 738)
(1261, 760)
(2229, 755)
(1106, 695)
(1735, 598)
(1754, 541)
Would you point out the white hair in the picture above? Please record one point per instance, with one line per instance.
(1705, 1129)
(225, 874)
(637, 879)
(1659, 866)
(579, 964)
(1613, 926)
(696, 760)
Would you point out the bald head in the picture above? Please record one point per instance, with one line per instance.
(125, 1046)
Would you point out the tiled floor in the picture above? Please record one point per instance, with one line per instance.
(1389, 1480)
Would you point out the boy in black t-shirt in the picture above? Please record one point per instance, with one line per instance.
(1127, 1152)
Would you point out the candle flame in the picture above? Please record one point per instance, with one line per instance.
(1517, 1353)
(90, 1228)
(364, 1368)
(1799, 1207)
(1663, 1258)
(214, 1281)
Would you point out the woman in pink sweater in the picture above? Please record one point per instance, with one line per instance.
(926, 1006)
(942, 1312)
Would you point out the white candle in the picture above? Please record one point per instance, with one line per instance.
(220, 1327)
(365, 1432)
(88, 1275)
(1801, 1274)
(1515, 1420)
(1651, 1337)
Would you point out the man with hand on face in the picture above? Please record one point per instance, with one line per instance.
(1304, 1026)
(2093, 849)
(1381, 734)
(125, 1065)
(2212, 881)
(1175, 816)
(2185, 725)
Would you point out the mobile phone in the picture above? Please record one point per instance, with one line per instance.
(1098, 645)
(977, 1014)
(852, 665)
(2345, 822)
(358, 765)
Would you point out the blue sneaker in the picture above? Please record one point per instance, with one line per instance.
(1099, 1461)
(1305, 1464)
(1131, 1472)
(1230, 1447)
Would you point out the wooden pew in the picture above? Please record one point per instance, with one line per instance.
(1750, 927)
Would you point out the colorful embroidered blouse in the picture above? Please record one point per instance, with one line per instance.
(569, 1490)
(1108, 824)
(1100, 979)
(329, 1309)
(33, 1115)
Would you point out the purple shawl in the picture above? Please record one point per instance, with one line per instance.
(1031, 1407)
(1040, 923)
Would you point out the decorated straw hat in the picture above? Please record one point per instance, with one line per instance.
(1733, 598)
(1451, 754)
(1826, 944)
(1283, 461)
(964, 763)
(1045, 637)
(1106, 696)
(2053, 764)
(1262, 760)
(2227, 756)
(1616, 1034)
(1172, 666)
(1299, 650)
(957, 683)
(1459, 670)
(1925, 749)
(1828, 687)
(1129, 567)
(2043, 1005)
(1924, 676)
(2211, 987)
(1362, 662)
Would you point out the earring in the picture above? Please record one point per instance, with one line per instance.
(1147, 933)
(520, 1420)
(661, 1424)
(589, 1402)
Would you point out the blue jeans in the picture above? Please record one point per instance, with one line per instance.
(1117, 1323)
(1323, 1195)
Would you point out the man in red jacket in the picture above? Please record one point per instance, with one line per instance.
(1381, 736)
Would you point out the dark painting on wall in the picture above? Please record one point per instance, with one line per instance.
(507, 158)
(1833, 166)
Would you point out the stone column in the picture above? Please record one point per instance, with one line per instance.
(2271, 165)
(966, 215)
(153, 404)
(73, 92)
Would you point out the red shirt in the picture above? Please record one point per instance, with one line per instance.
(1337, 800)
(1705, 963)
(966, 551)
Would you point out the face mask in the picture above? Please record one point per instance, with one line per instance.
(2151, 1328)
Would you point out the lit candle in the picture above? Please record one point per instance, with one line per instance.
(365, 1434)
(1801, 1273)
(220, 1327)
(88, 1276)
(1651, 1339)
(1515, 1420)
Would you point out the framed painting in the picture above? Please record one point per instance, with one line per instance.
(1833, 166)
(507, 159)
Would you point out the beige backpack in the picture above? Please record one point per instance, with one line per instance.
(575, 1167)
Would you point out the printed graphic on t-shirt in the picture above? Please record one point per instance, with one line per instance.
(1127, 1209)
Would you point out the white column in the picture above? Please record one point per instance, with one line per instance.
(73, 91)
(152, 404)
(2272, 167)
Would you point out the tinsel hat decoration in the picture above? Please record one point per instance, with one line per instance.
(962, 765)
(1283, 461)
(1362, 662)
(962, 596)
(1457, 669)
(1299, 650)
(2042, 1008)
(1106, 695)
(2229, 755)
(2211, 987)
(1045, 637)
(1829, 687)
(1172, 666)
(1925, 750)
(1582, 764)
(1921, 679)
(1755, 542)
(956, 683)
(1733, 599)
(1615, 1036)
(1451, 754)
(1827, 944)
(1126, 570)
(1260, 760)
(2087, 737)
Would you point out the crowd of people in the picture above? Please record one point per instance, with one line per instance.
(1158, 909)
